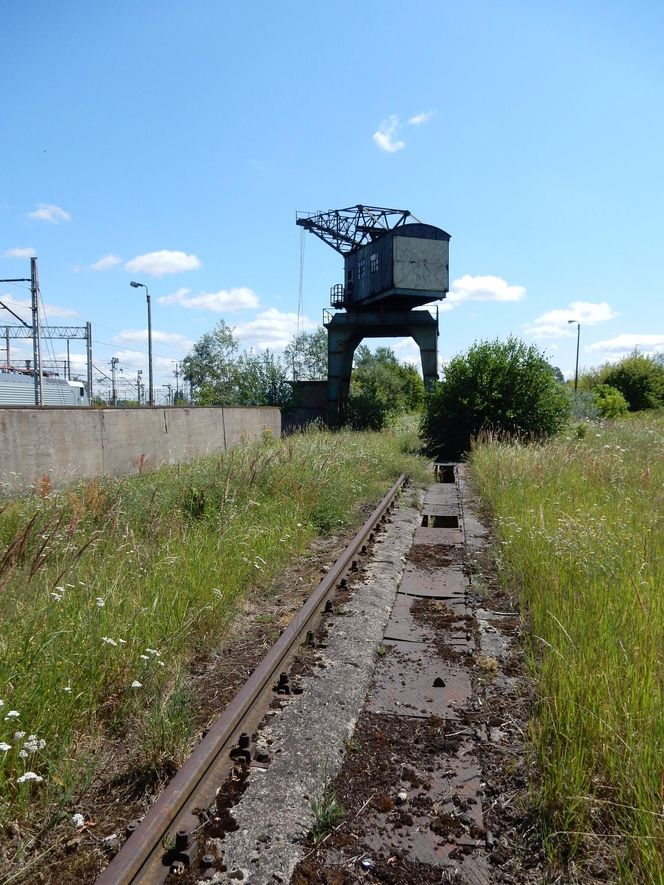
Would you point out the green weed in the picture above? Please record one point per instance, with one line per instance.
(110, 587)
(327, 812)
(580, 532)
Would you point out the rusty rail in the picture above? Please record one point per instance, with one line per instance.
(140, 860)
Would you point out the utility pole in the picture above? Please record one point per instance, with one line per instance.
(114, 363)
(169, 395)
(36, 345)
(177, 385)
(578, 340)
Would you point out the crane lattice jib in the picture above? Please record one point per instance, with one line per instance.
(348, 229)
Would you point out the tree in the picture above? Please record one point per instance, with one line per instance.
(261, 380)
(639, 378)
(210, 367)
(502, 386)
(381, 388)
(306, 355)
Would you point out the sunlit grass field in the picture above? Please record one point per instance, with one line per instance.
(580, 534)
(109, 588)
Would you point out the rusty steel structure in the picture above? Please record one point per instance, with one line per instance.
(164, 840)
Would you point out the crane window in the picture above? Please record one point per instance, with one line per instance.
(373, 262)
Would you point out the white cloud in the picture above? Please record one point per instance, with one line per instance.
(106, 263)
(21, 252)
(165, 261)
(23, 308)
(385, 136)
(271, 328)
(626, 343)
(139, 336)
(556, 323)
(481, 288)
(49, 212)
(225, 300)
(418, 119)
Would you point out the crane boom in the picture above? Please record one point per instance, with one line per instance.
(348, 229)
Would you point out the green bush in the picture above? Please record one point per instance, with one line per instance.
(502, 386)
(610, 401)
(639, 378)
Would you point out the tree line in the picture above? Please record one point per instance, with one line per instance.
(220, 374)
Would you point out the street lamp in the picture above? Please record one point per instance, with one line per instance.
(578, 338)
(150, 385)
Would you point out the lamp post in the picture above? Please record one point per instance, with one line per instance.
(136, 285)
(578, 338)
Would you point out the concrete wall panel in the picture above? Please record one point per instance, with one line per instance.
(70, 444)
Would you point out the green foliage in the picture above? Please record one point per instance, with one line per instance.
(260, 380)
(219, 376)
(507, 387)
(112, 586)
(306, 356)
(584, 407)
(589, 568)
(610, 401)
(381, 389)
(327, 812)
(210, 367)
(639, 378)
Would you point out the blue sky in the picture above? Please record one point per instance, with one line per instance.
(173, 142)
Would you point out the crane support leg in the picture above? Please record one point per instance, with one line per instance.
(346, 330)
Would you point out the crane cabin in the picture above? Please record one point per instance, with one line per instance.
(405, 267)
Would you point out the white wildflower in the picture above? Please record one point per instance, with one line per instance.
(2, 703)
(299, 525)
(18, 735)
(13, 714)
(29, 776)
(56, 596)
(4, 747)
(23, 754)
(152, 651)
(161, 663)
(77, 820)
(100, 602)
(144, 657)
(34, 743)
(108, 640)
(67, 688)
(122, 641)
(136, 684)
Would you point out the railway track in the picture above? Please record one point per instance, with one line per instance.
(164, 842)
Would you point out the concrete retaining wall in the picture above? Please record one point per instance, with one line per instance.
(68, 444)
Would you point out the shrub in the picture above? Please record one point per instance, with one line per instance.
(610, 401)
(583, 405)
(639, 378)
(500, 386)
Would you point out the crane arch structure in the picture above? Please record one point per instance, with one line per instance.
(393, 264)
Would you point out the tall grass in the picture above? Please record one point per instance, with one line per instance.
(110, 587)
(580, 529)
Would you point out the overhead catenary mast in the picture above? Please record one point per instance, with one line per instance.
(36, 341)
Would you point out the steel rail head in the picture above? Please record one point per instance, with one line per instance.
(130, 864)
